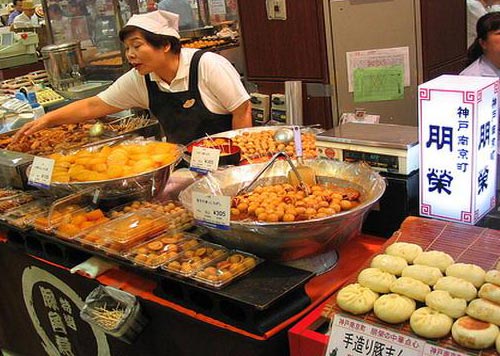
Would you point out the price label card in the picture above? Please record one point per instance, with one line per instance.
(213, 211)
(204, 159)
(351, 336)
(41, 172)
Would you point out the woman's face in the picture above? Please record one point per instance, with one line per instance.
(142, 56)
(491, 46)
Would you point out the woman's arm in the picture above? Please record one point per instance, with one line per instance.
(242, 116)
(81, 110)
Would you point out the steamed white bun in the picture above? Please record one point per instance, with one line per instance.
(411, 288)
(437, 259)
(391, 264)
(356, 299)
(404, 249)
(484, 310)
(490, 292)
(430, 323)
(443, 302)
(469, 272)
(458, 287)
(473, 333)
(394, 308)
(376, 279)
(428, 275)
(493, 276)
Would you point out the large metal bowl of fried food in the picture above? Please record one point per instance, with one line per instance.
(281, 222)
(117, 169)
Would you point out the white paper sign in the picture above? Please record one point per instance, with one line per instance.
(378, 58)
(204, 159)
(212, 210)
(41, 172)
(354, 337)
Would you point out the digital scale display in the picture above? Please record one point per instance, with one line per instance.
(375, 160)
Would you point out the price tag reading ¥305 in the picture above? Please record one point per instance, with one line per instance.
(41, 172)
(349, 336)
(212, 210)
(204, 159)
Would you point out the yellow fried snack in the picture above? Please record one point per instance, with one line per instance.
(112, 162)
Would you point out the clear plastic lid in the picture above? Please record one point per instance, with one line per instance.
(80, 222)
(179, 218)
(220, 272)
(122, 233)
(192, 260)
(62, 211)
(7, 193)
(16, 201)
(162, 249)
(24, 216)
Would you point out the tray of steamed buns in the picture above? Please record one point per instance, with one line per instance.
(429, 294)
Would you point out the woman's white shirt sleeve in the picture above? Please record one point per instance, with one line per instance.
(128, 91)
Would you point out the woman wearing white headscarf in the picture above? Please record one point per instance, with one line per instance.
(191, 92)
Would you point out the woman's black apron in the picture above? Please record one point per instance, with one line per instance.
(183, 115)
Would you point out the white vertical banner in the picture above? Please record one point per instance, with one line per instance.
(458, 137)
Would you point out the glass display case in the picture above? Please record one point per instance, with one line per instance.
(95, 24)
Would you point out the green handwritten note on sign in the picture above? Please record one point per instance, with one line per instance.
(378, 83)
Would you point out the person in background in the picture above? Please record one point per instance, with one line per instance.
(18, 9)
(27, 18)
(183, 9)
(476, 9)
(484, 53)
(484, 59)
(191, 92)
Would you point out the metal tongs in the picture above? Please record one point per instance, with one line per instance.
(301, 184)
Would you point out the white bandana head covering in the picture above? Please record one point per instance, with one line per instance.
(159, 22)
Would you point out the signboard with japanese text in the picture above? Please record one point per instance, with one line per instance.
(212, 210)
(41, 172)
(204, 160)
(458, 124)
(350, 336)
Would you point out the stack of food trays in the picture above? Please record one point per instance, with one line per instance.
(179, 218)
(436, 295)
(23, 217)
(119, 235)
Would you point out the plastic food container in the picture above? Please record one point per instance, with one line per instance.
(190, 261)
(14, 202)
(80, 222)
(24, 216)
(179, 218)
(162, 249)
(6, 193)
(220, 272)
(121, 234)
(62, 211)
(115, 312)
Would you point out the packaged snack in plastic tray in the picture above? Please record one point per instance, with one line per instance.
(15, 201)
(162, 249)
(220, 272)
(80, 222)
(24, 216)
(120, 234)
(62, 211)
(179, 218)
(6, 193)
(193, 259)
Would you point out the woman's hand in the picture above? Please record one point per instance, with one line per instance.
(31, 127)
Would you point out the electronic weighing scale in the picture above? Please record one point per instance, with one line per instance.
(392, 150)
(17, 49)
(386, 148)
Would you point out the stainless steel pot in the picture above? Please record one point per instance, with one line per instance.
(64, 64)
(288, 241)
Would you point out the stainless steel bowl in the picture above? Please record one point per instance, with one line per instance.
(284, 241)
(143, 185)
